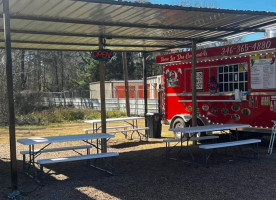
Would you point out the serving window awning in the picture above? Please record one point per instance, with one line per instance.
(127, 26)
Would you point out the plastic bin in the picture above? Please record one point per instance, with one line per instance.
(154, 124)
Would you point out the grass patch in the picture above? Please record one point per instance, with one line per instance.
(68, 128)
(61, 115)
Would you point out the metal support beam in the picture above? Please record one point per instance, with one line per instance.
(124, 57)
(145, 86)
(102, 91)
(109, 36)
(86, 44)
(131, 25)
(14, 177)
(194, 102)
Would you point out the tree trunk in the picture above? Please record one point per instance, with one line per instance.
(56, 71)
(22, 73)
(62, 70)
(38, 67)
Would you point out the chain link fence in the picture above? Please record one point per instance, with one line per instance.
(115, 100)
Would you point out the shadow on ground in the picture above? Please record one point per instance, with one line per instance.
(131, 143)
(146, 174)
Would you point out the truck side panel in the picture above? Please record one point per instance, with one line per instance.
(220, 105)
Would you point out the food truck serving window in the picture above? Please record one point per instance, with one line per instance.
(231, 77)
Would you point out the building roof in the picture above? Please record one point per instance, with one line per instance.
(127, 26)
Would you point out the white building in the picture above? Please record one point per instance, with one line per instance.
(116, 88)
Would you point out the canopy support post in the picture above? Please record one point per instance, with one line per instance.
(14, 176)
(194, 102)
(102, 91)
(124, 57)
(145, 86)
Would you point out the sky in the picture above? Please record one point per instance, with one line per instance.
(254, 5)
(257, 5)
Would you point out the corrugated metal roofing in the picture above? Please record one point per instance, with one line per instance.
(77, 24)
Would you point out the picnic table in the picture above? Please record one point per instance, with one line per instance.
(191, 132)
(91, 140)
(130, 126)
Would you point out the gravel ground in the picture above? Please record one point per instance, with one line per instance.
(144, 173)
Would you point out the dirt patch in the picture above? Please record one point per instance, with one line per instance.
(144, 173)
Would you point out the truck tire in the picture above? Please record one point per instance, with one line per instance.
(178, 123)
(199, 123)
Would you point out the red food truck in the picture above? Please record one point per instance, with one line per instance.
(235, 84)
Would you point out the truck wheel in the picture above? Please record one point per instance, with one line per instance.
(178, 123)
(199, 123)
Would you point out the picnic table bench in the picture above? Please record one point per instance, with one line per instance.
(226, 145)
(190, 132)
(87, 130)
(47, 141)
(130, 122)
(134, 130)
(178, 140)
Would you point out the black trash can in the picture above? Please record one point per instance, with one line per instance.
(150, 121)
(154, 124)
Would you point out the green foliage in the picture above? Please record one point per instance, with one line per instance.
(91, 114)
(114, 68)
(87, 73)
(25, 120)
(59, 115)
(115, 114)
(72, 115)
(27, 101)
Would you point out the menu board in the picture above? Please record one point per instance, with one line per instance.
(199, 80)
(263, 74)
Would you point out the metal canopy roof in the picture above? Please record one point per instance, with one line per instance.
(77, 25)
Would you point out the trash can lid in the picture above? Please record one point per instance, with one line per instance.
(149, 114)
(157, 114)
